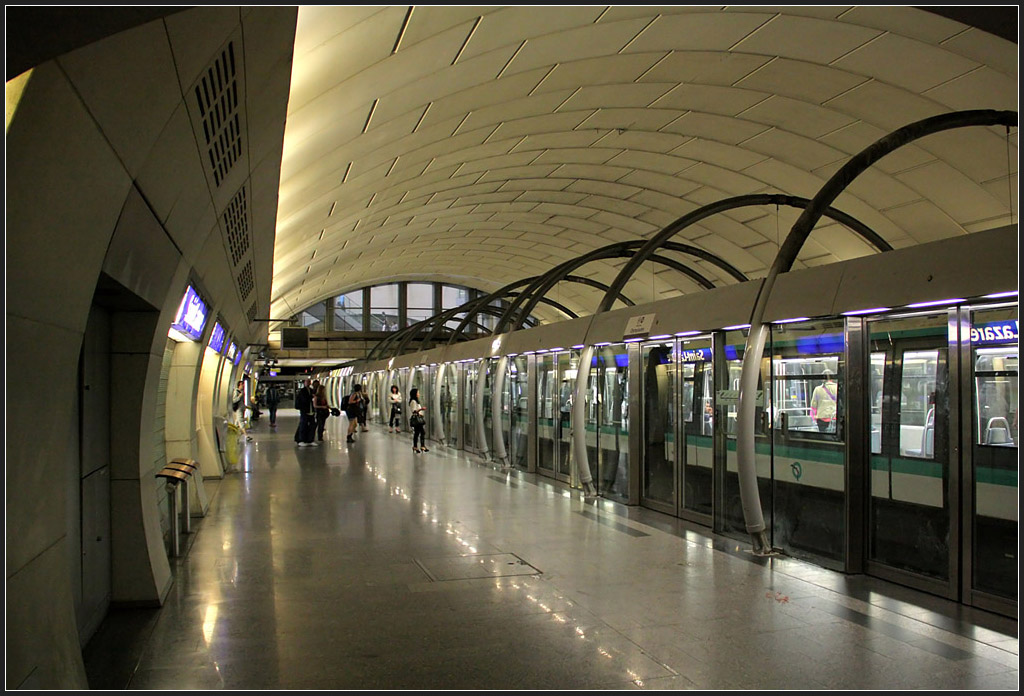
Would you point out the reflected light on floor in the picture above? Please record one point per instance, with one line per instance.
(209, 622)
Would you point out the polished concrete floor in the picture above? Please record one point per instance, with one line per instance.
(368, 567)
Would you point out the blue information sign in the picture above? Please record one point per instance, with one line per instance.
(995, 332)
(217, 337)
(191, 317)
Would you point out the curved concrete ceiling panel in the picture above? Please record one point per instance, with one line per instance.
(482, 145)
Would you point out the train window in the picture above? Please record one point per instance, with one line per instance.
(995, 357)
(917, 403)
(807, 370)
(996, 396)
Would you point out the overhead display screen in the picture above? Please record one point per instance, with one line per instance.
(217, 337)
(191, 317)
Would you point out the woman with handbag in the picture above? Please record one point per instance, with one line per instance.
(418, 422)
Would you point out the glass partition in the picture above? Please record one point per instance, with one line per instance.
(658, 387)
(384, 307)
(994, 455)
(547, 412)
(568, 364)
(909, 513)
(696, 369)
(469, 372)
(613, 384)
(519, 383)
(487, 375)
(807, 411)
(348, 312)
(449, 404)
(592, 421)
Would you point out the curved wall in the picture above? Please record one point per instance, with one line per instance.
(109, 203)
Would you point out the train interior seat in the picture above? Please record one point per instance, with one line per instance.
(997, 432)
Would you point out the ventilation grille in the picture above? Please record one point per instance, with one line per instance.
(236, 224)
(217, 99)
(252, 313)
(245, 282)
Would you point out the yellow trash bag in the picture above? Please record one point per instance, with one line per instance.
(233, 446)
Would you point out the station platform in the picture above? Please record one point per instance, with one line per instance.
(366, 566)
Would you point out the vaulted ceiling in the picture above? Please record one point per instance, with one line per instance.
(482, 145)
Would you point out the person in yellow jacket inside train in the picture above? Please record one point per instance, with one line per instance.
(823, 403)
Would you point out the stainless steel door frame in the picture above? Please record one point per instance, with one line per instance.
(858, 446)
(531, 413)
(635, 408)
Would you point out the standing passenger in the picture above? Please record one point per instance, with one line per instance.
(823, 403)
(307, 415)
(273, 397)
(353, 402)
(395, 419)
(418, 422)
(323, 410)
(364, 406)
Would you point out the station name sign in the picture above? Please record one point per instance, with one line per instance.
(692, 355)
(995, 332)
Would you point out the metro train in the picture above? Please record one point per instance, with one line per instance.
(887, 418)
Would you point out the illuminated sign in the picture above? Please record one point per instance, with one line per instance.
(822, 344)
(217, 337)
(995, 332)
(191, 316)
(231, 351)
(621, 360)
(690, 355)
(238, 356)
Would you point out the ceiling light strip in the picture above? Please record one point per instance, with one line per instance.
(401, 32)
(466, 42)
(370, 115)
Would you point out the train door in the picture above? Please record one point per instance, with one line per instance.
(519, 401)
(696, 424)
(487, 367)
(469, 377)
(592, 420)
(613, 361)
(991, 407)
(450, 405)
(808, 416)
(547, 413)
(660, 484)
(567, 369)
(912, 517)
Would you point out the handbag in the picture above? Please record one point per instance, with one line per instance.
(417, 420)
(335, 411)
